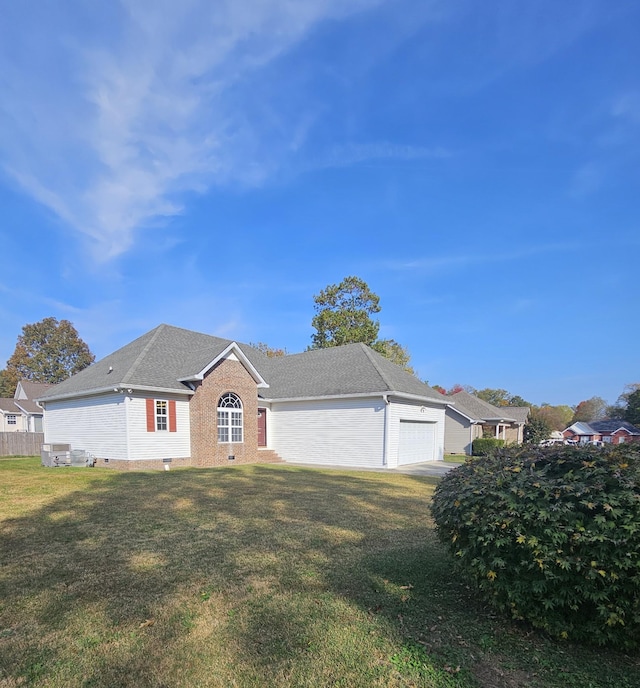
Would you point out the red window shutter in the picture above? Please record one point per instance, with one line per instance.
(172, 415)
(151, 415)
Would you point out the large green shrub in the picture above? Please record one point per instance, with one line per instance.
(551, 536)
(485, 445)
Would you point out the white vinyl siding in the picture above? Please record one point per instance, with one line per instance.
(95, 424)
(145, 445)
(114, 426)
(338, 432)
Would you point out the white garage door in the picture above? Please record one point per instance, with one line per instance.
(416, 442)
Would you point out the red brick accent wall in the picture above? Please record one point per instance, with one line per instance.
(226, 376)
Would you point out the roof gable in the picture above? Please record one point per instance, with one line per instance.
(581, 428)
(28, 389)
(233, 350)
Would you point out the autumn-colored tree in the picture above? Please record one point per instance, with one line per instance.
(47, 351)
(7, 387)
(267, 350)
(557, 417)
(590, 409)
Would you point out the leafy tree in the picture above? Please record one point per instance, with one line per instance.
(632, 412)
(536, 430)
(7, 387)
(395, 352)
(454, 390)
(343, 314)
(268, 350)
(557, 417)
(517, 400)
(48, 351)
(590, 409)
(497, 397)
(620, 408)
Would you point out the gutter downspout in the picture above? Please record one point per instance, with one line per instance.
(387, 421)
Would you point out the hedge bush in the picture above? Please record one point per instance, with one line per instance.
(482, 446)
(551, 536)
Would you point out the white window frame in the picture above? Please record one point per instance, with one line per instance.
(230, 419)
(162, 415)
(12, 419)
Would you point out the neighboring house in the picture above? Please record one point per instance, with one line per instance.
(22, 413)
(607, 431)
(469, 418)
(193, 399)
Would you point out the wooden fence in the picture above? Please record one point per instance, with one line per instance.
(21, 443)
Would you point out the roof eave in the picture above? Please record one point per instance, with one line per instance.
(356, 395)
(118, 389)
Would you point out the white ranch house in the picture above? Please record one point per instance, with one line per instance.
(186, 398)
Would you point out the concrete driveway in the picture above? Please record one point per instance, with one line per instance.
(436, 468)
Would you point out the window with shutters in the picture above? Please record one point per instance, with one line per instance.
(230, 419)
(162, 415)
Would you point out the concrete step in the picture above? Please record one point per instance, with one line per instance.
(268, 456)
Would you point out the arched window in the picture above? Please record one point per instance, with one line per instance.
(229, 418)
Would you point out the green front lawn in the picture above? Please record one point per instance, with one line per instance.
(455, 458)
(250, 576)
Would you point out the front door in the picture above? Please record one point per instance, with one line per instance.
(262, 427)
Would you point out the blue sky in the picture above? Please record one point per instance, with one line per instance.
(213, 165)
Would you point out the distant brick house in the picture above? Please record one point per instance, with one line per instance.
(191, 399)
(607, 431)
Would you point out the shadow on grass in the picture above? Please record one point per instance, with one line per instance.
(247, 576)
(106, 585)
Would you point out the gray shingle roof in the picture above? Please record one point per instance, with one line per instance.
(157, 359)
(479, 410)
(166, 354)
(33, 390)
(28, 406)
(520, 413)
(601, 426)
(349, 369)
(8, 406)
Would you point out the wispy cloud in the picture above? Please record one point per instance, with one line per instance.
(109, 128)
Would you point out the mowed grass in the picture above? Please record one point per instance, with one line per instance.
(251, 576)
